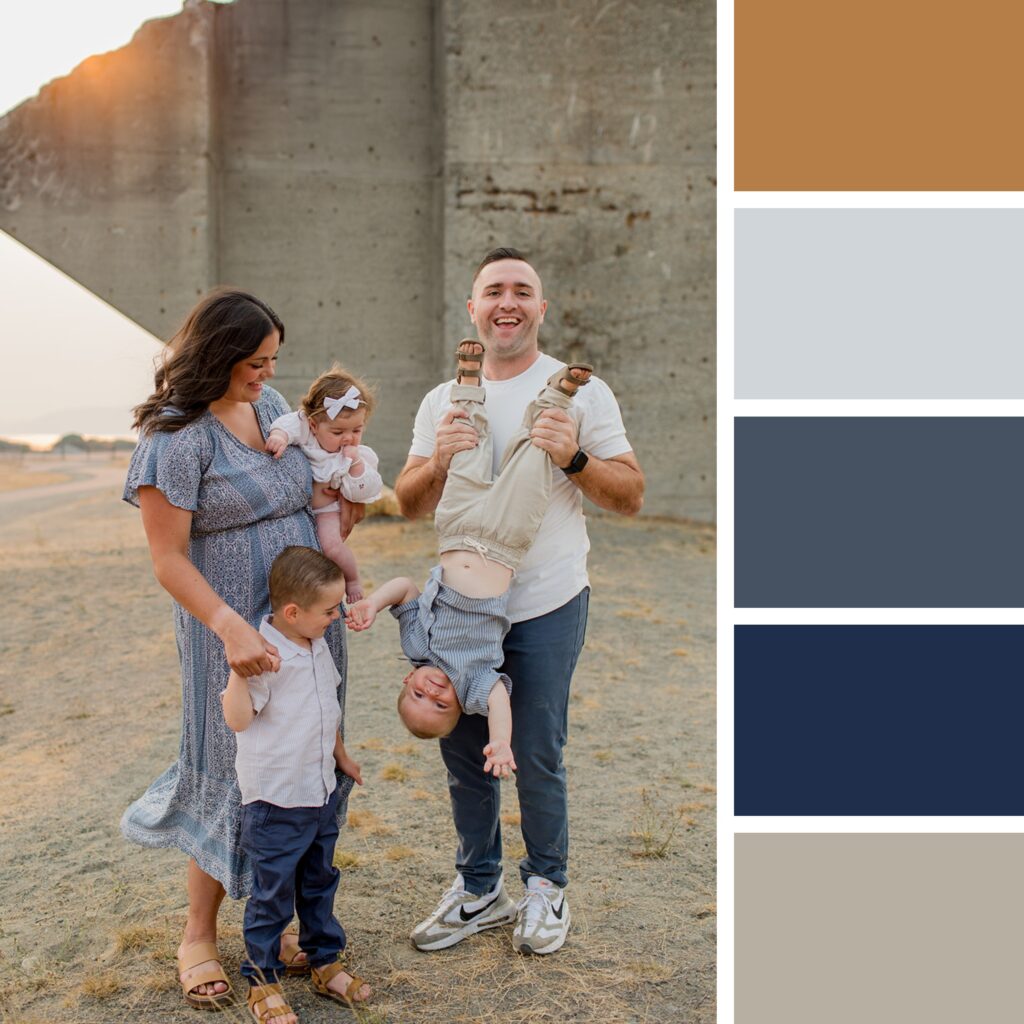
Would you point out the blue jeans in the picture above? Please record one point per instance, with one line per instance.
(540, 657)
(292, 853)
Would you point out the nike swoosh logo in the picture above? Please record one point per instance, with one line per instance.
(558, 912)
(476, 913)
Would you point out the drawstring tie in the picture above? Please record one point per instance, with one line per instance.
(481, 549)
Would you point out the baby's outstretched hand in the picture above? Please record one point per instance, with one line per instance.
(500, 763)
(276, 443)
(360, 615)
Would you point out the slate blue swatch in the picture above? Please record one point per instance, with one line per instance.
(879, 720)
(879, 512)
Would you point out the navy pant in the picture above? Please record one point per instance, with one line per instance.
(292, 854)
(540, 657)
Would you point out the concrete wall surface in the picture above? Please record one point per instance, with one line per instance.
(352, 160)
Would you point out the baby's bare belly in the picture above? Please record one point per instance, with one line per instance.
(471, 574)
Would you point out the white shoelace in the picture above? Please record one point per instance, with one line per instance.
(449, 899)
(535, 904)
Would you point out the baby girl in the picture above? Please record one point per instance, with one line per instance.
(328, 428)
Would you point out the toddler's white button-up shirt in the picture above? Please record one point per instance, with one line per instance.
(286, 756)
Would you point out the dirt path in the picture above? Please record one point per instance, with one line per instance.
(89, 707)
(73, 477)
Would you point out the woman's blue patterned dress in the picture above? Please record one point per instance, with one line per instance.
(246, 508)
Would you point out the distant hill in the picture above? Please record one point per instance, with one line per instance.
(85, 420)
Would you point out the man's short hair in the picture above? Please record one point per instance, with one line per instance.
(504, 253)
(298, 575)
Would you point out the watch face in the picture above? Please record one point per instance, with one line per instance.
(579, 460)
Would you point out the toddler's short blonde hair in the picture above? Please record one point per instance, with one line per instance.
(436, 729)
(298, 575)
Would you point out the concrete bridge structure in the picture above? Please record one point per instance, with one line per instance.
(352, 160)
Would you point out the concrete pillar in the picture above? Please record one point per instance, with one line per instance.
(351, 161)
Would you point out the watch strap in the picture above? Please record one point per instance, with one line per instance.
(578, 461)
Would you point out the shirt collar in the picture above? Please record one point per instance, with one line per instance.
(285, 647)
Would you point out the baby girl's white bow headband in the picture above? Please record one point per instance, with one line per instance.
(349, 400)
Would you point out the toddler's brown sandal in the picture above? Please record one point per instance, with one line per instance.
(475, 360)
(555, 380)
(207, 954)
(290, 951)
(322, 975)
(259, 996)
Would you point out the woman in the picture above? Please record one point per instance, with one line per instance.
(216, 509)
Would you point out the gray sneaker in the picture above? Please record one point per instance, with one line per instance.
(461, 914)
(542, 918)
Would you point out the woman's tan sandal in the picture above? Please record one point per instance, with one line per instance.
(259, 997)
(291, 951)
(203, 960)
(470, 362)
(557, 378)
(322, 975)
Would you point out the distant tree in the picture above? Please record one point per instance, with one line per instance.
(71, 443)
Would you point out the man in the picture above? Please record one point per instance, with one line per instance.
(547, 606)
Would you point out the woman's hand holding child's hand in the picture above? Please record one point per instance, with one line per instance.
(500, 762)
(247, 652)
(276, 443)
(360, 616)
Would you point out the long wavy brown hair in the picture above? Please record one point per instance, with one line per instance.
(225, 327)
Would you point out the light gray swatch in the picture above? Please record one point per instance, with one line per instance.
(889, 929)
(879, 512)
(879, 304)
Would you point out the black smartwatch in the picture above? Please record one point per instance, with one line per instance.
(579, 460)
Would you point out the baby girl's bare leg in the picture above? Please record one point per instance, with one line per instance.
(328, 529)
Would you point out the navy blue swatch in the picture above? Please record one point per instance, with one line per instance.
(879, 512)
(879, 720)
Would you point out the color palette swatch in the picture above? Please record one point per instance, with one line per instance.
(883, 94)
(876, 508)
(890, 929)
(880, 512)
(890, 304)
(879, 720)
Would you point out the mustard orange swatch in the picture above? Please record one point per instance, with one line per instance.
(879, 95)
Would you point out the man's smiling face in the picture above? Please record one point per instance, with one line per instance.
(507, 308)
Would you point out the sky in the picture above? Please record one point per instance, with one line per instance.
(68, 361)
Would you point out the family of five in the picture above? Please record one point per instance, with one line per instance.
(247, 507)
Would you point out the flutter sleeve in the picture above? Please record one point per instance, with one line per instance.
(172, 462)
(365, 488)
(293, 425)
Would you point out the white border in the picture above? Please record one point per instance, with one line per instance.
(856, 200)
(725, 390)
(728, 407)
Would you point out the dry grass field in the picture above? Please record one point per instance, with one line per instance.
(89, 708)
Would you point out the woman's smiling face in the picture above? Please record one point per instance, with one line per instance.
(248, 375)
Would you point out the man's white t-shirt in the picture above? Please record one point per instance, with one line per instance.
(555, 569)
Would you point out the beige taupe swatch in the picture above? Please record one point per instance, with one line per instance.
(886, 928)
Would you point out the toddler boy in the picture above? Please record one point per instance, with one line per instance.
(289, 744)
(453, 631)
